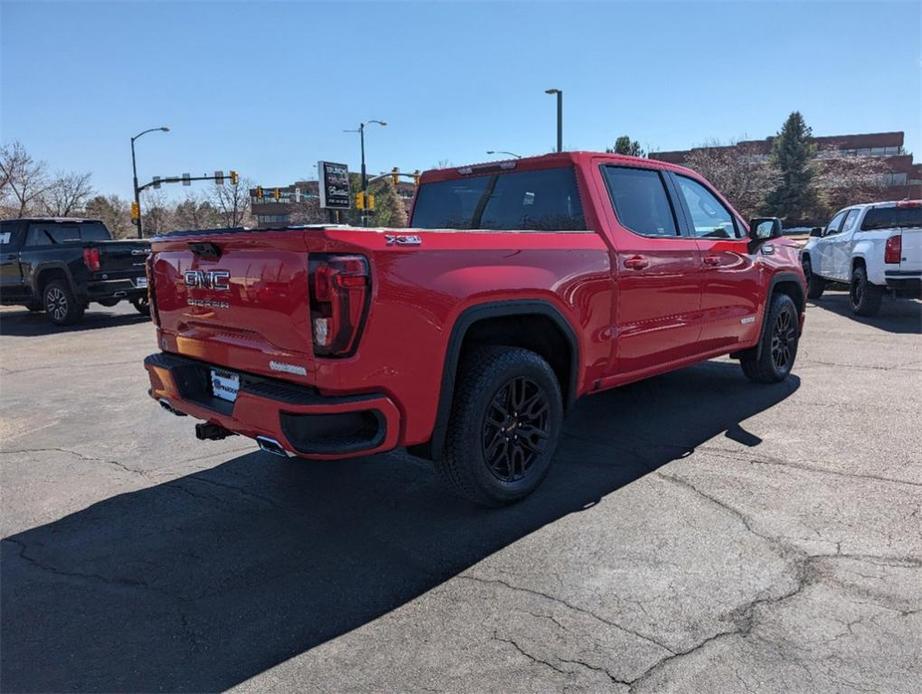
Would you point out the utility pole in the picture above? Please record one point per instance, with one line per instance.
(136, 211)
(559, 94)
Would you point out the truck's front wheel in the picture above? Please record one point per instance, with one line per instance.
(505, 423)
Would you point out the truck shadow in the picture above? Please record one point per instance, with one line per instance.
(204, 581)
(903, 316)
(26, 324)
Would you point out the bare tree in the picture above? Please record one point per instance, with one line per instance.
(843, 179)
(739, 171)
(68, 193)
(23, 179)
(195, 213)
(232, 203)
(114, 213)
(157, 213)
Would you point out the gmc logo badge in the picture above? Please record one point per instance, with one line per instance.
(208, 279)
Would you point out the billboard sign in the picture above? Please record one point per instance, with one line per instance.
(335, 192)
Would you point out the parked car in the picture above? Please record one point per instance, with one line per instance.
(522, 286)
(874, 248)
(61, 264)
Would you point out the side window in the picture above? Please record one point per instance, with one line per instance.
(711, 219)
(640, 201)
(851, 220)
(8, 234)
(835, 225)
(50, 233)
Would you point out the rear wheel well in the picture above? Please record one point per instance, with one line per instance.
(532, 325)
(46, 276)
(535, 332)
(858, 262)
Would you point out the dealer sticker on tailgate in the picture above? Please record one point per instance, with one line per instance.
(225, 384)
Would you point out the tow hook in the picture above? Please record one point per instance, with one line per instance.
(206, 431)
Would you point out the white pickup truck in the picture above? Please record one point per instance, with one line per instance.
(873, 248)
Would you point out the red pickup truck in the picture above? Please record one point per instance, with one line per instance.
(519, 287)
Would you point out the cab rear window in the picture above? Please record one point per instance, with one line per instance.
(892, 218)
(544, 200)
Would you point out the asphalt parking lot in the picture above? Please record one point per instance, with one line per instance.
(697, 533)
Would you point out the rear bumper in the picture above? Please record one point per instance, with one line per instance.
(110, 289)
(905, 283)
(302, 421)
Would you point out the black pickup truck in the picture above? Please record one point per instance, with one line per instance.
(59, 265)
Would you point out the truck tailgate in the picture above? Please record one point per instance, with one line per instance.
(237, 299)
(911, 255)
(122, 257)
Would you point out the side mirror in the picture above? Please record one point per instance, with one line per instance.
(816, 231)
(764, 228)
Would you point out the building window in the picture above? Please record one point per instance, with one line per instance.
(894, 178)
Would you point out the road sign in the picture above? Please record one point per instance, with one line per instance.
(187, 179)
(156, 182)
(219, 178)
(335, 191)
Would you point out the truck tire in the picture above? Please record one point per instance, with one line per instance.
(816, 285)
(771, 361)
(142, 305)
(61, 305)
(863, 296)
(505, 423)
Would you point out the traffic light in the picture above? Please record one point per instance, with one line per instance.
(371, 202)
(416, 177)
(277, 194)
(395, 176)
(234, 177)
(135, 212)
(360, 200)
(259, 192)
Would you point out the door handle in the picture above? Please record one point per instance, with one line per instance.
(712, 260)
(636, 262)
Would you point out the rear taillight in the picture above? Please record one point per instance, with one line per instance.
(151, 294)
(340, 290)
(91, 259)
(893, 249)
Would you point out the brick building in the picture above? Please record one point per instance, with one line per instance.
(903, 178)
(299, 203)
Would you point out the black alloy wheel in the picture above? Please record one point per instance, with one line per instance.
(784, 339)
(516, 428)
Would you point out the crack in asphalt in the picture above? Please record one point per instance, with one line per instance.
(569, 605)
(81, 456)
(541, 661)
(733, 455)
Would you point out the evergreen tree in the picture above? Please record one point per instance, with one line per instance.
(625, 145)
(792, 152)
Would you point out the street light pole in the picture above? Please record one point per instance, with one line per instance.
(361, 132)
(134, 171)
(559, 94)
(499, 151)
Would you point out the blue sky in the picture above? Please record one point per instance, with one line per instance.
(267, 88)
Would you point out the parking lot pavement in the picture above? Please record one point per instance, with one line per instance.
(696, 533)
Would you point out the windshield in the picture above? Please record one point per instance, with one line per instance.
(528, 200)
(892, 218)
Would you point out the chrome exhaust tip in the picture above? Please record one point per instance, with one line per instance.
(272, 446)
